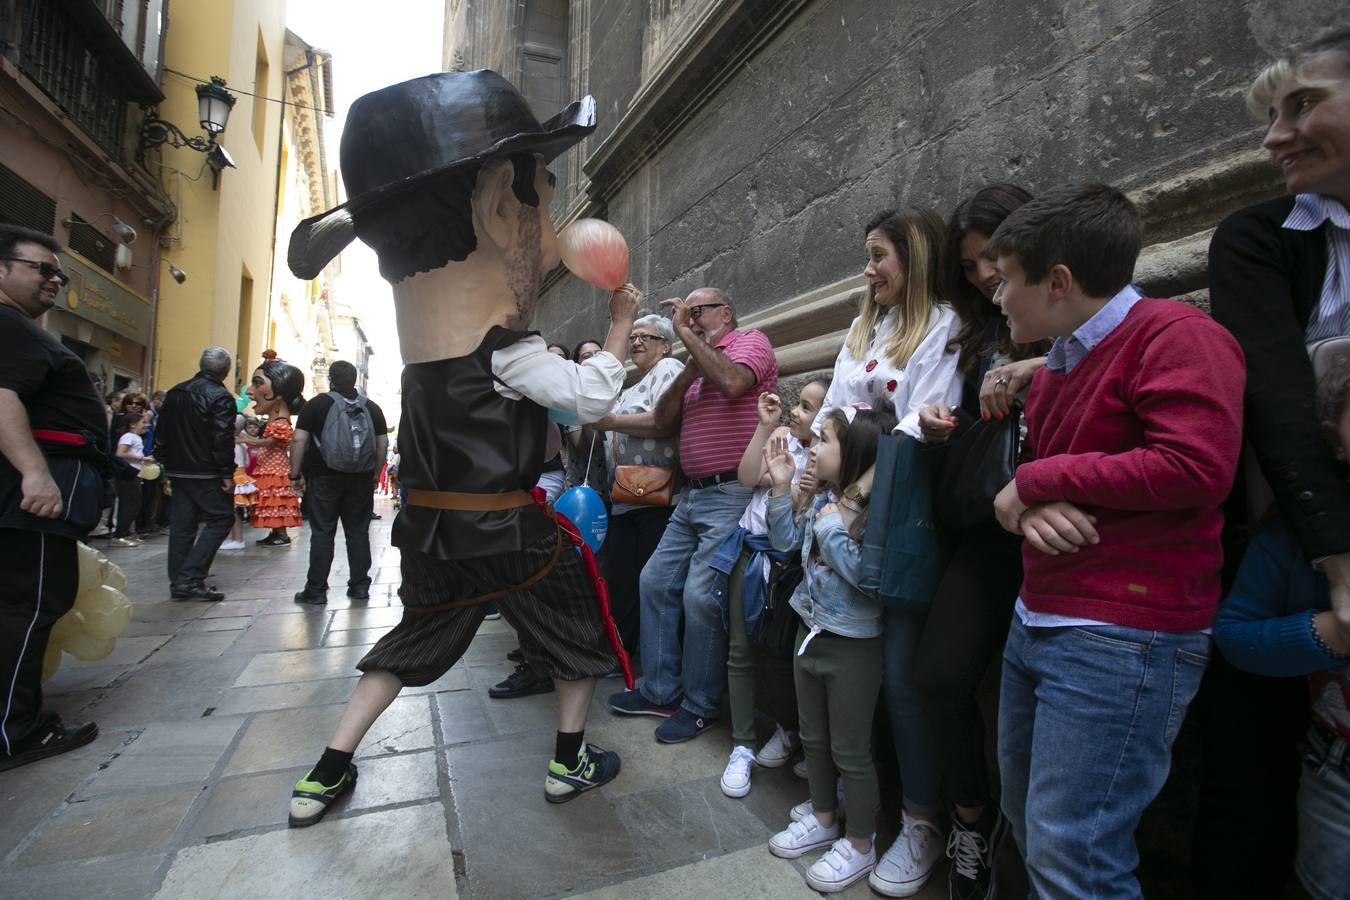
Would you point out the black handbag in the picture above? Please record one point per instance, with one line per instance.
(979, 462)
(775, 631)
(903, 555)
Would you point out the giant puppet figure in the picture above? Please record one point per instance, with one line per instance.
(448, 183)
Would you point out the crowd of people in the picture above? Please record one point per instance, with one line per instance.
(1068, 452)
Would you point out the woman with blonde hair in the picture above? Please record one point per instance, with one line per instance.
(901, 349)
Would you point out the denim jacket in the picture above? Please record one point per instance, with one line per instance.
(754, 588)
(828, 598)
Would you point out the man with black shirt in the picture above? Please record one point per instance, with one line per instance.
(53, 432)
(331, 495)
(194, 441)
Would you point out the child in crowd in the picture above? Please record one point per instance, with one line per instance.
(745, 558)
(837, 665)
(1133, 432)
(1279, 621)
(245, 490)
(130, 447)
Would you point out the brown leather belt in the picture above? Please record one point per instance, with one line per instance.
(454, 500)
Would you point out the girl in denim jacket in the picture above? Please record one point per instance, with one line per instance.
(837, 666)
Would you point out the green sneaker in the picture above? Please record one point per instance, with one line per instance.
(310, 800)
(594, 768)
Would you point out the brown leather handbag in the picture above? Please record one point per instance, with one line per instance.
(643, 485)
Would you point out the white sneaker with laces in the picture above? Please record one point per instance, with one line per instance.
(736, 776)
(905, 868)
(799, 768)
(779, 749)
(802, 837)
(841, 865)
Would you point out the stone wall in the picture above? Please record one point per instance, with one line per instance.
(743, 143)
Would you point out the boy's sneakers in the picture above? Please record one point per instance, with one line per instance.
(310, 800)
(594, 768)
(800, 838)
(736, 776)
(799, 768)
(841, 865)
(972, 850)
(779, 749)
(905, 868)
(682, 726)
(632, 703)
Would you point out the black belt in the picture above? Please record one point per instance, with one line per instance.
(711, 480)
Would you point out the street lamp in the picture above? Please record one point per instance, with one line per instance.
(213, 106)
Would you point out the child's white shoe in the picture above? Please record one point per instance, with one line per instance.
(905, 868)
(779, 749)
(806, 808)
(802, 837)
(841, 865)
(736, 776)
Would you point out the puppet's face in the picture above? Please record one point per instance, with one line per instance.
(261, 393)
(545, 183)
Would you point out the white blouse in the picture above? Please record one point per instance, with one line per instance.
(929, 377)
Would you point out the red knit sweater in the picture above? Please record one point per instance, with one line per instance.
(1143, 433)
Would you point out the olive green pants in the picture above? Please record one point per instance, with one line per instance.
(754, 680)
(838, 680)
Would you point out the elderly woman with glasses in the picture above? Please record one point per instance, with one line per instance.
(636, 528)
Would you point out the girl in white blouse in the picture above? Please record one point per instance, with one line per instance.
(900, 347)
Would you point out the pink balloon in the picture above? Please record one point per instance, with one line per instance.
(595, 252)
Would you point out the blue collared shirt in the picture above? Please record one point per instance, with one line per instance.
(1067, 352)
(1332, 316)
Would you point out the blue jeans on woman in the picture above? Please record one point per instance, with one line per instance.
(1323, 863)
(677, 582)
(915, 749)
(1087, 717)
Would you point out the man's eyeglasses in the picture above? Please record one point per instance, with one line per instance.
(45, 269)
(696, 311)
(643, 338)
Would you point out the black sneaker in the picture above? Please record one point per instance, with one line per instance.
(523, 682)
(196, 592)
(313, 598)
(517, 655)
(51, 738)
(972, 850)
(273, 541)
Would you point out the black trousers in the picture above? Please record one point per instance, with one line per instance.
(128, 505)
(191, 551)
(40, 575)
(328, 499)
(966, 629)
(631, 541)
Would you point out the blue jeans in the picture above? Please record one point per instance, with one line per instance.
(915, 750)
(1323, 863)
(1087, 717)
(677, 582)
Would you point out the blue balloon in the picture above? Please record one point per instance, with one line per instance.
(584, 508)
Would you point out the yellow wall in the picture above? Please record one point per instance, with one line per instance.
(226, 234)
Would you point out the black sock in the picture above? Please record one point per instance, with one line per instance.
(330, 767)
(568, 748)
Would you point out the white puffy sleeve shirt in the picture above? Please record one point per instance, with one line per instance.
(930, 375)
(586, 390)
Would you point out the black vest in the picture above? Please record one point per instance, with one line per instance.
(457, 433)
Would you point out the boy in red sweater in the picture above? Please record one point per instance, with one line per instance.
(1133, 432)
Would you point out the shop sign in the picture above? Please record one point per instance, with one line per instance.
(97, 297)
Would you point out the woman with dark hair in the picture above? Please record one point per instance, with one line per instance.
(968, 621)
(900, 350)
(275, 392)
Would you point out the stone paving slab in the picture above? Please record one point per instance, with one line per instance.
(166, 753)
(106, 826)
(110, 878)
(401, 852)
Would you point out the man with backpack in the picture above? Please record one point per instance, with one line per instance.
(336, 454)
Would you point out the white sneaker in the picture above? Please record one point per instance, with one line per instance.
(905, 868)
(736, 776)
(799, 768)
(802, 837)
(806, 808)
(841, 865)
(101, 531)
(779, 749)
(232, 545)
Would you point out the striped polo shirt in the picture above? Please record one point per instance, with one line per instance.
(715, 430)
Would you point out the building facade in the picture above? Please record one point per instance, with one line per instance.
(73, 79)
(301, 323)
(744, 143)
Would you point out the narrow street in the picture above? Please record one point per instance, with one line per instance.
(209, 713)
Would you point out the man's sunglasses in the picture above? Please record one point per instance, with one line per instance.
(45, 269)
(696, 311)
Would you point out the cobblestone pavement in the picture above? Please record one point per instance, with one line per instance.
(209, 713)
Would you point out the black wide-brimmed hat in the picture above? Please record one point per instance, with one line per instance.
(401, 137)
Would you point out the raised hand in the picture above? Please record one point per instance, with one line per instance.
(770, 410)
(779, 463)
